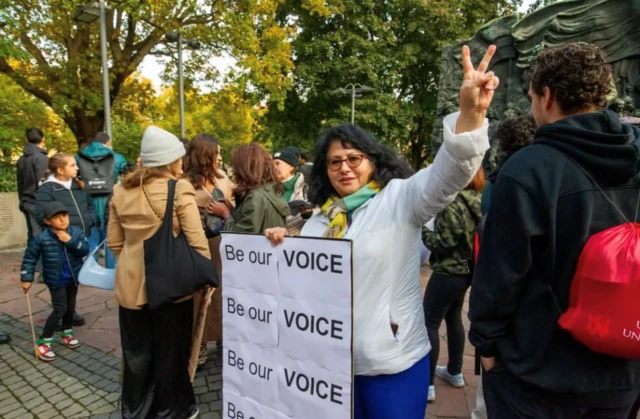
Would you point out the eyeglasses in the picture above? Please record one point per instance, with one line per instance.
(353, 161)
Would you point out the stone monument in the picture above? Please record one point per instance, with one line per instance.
(613, 25)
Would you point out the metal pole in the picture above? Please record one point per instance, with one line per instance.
(105, 69)
(181, 86)
(353, 104)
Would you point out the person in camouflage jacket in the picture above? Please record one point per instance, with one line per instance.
(451, 242)
(451, 245)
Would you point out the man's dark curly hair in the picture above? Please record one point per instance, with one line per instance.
(515, 133)
(577, 74)
(387, 164)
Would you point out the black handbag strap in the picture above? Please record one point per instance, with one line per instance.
(167, 221)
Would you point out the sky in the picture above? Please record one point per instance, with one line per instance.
(152, 67)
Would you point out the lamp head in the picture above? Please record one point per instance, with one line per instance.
(172, 36)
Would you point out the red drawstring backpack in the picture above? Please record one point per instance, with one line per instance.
(604, 301)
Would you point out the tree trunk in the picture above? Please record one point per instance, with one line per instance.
(85, 127)
(419, 151)
(416, 155)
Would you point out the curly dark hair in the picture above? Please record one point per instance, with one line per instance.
(576, 73)
(387, 164)
(515, 133)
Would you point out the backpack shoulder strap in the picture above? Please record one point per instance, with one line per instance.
(609, 200)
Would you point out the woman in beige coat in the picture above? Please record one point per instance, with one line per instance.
(156, 344)
(201, 169)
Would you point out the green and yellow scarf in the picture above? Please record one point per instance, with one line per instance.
(336, 209)
(289, 187)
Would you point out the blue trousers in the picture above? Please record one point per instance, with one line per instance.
(396, 396)
(98, 235)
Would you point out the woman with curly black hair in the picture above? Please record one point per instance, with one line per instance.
(367, 194)
(513, 134)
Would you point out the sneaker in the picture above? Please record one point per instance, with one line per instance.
(44, 350)
(194, 413)
(69, 340)
(455, 380)
(432, 394)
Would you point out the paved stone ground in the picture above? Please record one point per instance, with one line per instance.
(84, 383)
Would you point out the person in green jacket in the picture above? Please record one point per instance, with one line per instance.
(258, 194)
(451, 245)
(99, 154)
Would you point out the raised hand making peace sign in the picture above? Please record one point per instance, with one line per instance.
(476, 91)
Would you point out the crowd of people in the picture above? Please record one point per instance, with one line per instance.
(566, 172)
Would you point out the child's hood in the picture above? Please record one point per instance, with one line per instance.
(66, 184)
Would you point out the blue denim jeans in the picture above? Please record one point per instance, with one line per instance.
(98, 235)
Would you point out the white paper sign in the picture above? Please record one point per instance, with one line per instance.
(316, 270)
(323, 328)
(313, 393)
(287, 325)
(251, 317)
(251, 373)
(238, 407)
(250, 264)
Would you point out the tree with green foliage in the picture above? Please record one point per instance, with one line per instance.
(226, 114)
(61, 63)
(393, 46)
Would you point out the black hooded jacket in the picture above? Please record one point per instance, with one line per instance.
(31, 166)
(544, 208)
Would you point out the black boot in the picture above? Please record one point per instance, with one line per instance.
(4, 338)
(78, 320)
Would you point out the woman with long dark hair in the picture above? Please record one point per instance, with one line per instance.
(367, 196)
(202, 171)
(258, 193)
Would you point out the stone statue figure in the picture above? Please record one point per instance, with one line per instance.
(613, 25)
(503, 64)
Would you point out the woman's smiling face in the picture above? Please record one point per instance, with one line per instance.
(348, 169)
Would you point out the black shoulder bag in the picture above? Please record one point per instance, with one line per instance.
(173, 269)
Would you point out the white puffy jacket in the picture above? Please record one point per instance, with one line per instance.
(386, 235)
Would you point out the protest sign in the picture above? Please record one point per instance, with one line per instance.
(287, 326)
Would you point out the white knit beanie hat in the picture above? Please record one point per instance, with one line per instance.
(160, 148)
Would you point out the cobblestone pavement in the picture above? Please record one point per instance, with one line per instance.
(85, 383)
(81, 383)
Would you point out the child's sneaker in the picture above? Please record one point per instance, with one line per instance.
(44, 350)
(455, 380)
(69, 340)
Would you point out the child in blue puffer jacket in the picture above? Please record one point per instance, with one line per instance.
(62, 248)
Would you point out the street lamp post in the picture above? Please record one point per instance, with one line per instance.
(176, 37)
(89, 14)
(355, 90)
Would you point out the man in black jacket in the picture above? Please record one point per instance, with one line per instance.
(544, 208)
(32, 166)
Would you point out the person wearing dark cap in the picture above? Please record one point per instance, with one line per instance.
(286, 162)
(62, 248)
